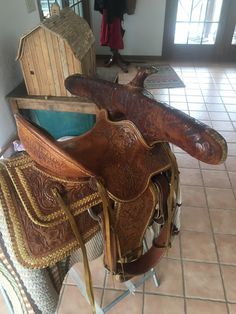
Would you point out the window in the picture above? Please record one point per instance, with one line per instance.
(197, 21)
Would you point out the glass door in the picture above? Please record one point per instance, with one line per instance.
(200, 29)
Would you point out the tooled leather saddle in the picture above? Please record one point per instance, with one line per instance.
(121, 177)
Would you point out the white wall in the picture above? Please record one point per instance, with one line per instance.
(143, 30)
(14, 21)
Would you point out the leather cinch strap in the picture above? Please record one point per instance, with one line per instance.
(87, 273)
(149, 259)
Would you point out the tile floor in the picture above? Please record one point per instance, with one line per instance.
(199, 274)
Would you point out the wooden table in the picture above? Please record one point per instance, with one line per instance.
(19, 99)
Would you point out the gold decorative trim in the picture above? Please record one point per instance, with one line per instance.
(16, 232)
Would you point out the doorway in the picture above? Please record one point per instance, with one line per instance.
(200, 30)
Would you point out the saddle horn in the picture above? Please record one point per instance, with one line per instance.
(155, 120)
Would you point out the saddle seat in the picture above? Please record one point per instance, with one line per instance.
(113, 152)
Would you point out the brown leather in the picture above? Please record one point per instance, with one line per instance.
(112, 151)
(39, 229)
(156, 121)
(46, 151)
(131, 222)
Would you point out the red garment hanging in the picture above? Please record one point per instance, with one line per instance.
(111, 34)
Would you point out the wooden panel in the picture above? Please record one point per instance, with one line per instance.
(52, 58)
(64, 63)
(31, 75)
(77, 65)
(47, 63)
(36, 62)
(84, 64)
(41, 66)
(58, 65)
(69, 57)
(66, 104)
(26, 70)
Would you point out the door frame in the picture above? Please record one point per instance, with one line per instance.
(222, 50)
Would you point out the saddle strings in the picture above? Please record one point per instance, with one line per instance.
(109, 223)
(87, 273)
(174, 179)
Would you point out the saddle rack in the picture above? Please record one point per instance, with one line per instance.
(130, 285)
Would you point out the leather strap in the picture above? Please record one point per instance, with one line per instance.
(149, 259)
(87, 273)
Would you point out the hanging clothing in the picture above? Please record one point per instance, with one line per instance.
(111, 29)
(111, 34)
(115, 8)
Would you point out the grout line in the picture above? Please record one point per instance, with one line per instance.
(216, 250)
(182, 267)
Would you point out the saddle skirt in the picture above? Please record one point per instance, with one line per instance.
(39, 229)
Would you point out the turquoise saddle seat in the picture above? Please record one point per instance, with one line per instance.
(60, 124)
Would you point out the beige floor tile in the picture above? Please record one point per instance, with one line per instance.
(231, 149)
(201, 115)
(231, 163)
(223, 125)
(203, 280)
(97, 272)
(232, 308)
(186, 161)
(190, 177)
(195, 219)
(205, 307)
(229, 277)
(179, 105)
(169, 273)
(112, 283)
(131, 304)
(215, 107)
(154, 304)
(232, 116)
(229, 136)
(216, 179)
(219, 116)
(221, 198)
(193, 196)
(213, 100)
(232, 176)
(212, 167)
(72, 301)
(226, 247)
(174, 251)
(197, 106)
(224, 221)
(195, 99)
(198, 246)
